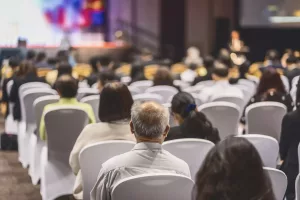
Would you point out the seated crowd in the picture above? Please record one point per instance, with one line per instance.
(232, 169)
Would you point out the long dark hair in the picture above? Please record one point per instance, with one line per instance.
(195, 123)
(27, 69)
(270, 80)
(233, 170)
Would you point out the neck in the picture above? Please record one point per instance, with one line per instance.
(140, 139)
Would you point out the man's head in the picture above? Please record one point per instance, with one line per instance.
(220, 72)
(31, 55)
(149, 122)
(14, 63)
(66, 86)
(104, 77)
(291, 61)
(41, 56)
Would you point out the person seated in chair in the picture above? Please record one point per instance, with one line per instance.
(150, 126)
(293, 68)
(66, 87)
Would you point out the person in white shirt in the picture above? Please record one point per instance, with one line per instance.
(221, 87)
(150, 125)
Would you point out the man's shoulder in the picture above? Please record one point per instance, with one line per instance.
(177, 162)
(116, 162)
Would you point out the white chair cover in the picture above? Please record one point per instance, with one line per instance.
(95, 86)
(295, 81)
(57, 178)
(30, 85)
(83, 84)
(126, 80)
(163, 90)
(197, 99)
(181, 84)
(285, 82)
(134, 90)
(11, 126)
(172, 120)
(224, 116)
(92, 157)
(93, 101)
(206, 83)
(235, 100)
(82, 92)
(142, 85)
(148, 97)
(154, 186)
(297, 187)
(195, 89)
(36, 145)
(299, 156)
(279, 182)
(28, 117)
(267, 147)
(192, 151)
(265, 118)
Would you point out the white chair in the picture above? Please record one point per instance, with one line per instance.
(297, 187)
(148, 97)
(82, 92)
(206, 83)
(95, 86)
(295, 81)
(279, 182)
(134, 90)
(11, 126)
(267, 147)
(299, 156)
(142, 85)
(248, 83)
(93, 101)
(28, 119)
(57, 178)
(235, 100)
(36, 145)
(126, 80)
(285, 82)
(192, 151)
(181, 84)
(223, 115)
(197, 99)
(30, 85)
(83, 84)
(195, 89)
(163, 90)
(154, 186)
(92, 157)
(172, 121)
(265, 118)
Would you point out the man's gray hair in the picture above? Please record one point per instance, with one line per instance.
(149, 119)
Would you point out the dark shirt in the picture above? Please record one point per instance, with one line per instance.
(14, 95)
(5, 97)
(291, 74)
(137, 70)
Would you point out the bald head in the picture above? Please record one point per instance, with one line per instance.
(149, 120)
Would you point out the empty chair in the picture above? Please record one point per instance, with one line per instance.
(223, 115)
(265, 118)
(93, 101)
(83, 92)
(297, 187)
(192, 151)
(267, 147)
(148, 97)
(235, 100)
(279, 182)
(134, 90)
(28, 117)
(142, 85)
(154, 186)
(57, 178)
(36, 145)
(91, 159)
(163, 90)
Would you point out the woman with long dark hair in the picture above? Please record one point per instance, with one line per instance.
(233, 170)
(192, 124)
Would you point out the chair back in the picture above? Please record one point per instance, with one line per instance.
(192, 151)
(92, 157)
(223, 115)
(295, 81)
(235, 100)
(83, 92)
(206, 83)
(93, 101)
(9, 86)
(299, 156)
(148, 97)
(163, 90)
(134, 90)
(61, 137)
(172, 120)
(39, 105)
(285, 82)
(142, 85)
(26, 101)
(154, 186)
(297, 187)
(265, 118)
(27, 86)
(181, 84)
(267, 147)
(279, 182)
(198, 101)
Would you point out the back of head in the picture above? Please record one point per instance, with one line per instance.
(52, 61)
(208, 62)
(193, 52)
(273, 55)
(41, 56)
(27, 68)
(233, 170)
(64, 69)
(163, 76)
(62, 56)
(291, 60)
(107, 77)
(150, 120)
(14, 62)
(270, 80)
(221, 71)
(66, 86)
(30, 55)
(115, 103)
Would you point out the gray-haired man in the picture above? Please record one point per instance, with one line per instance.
(150, 125)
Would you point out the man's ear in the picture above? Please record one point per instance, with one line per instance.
(166, 131)
(131, 127)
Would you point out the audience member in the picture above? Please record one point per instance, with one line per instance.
(163, 76)
(27, 73)
(62, 69)
(30, 56)
(233, 170)
(150, 125)
(99, 65)
(114, 113)
(221, 87)
(192, 124)
(209, 65)
(41, 60)
(289, 142)
(52, 63)
(193, 57)
(66, 87)
(106, 77)
(293, 68)
(272, 60)
(190, 73)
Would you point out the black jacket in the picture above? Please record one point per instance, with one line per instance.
(137, 70)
